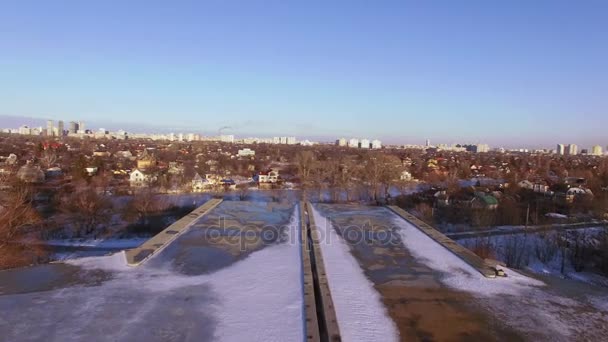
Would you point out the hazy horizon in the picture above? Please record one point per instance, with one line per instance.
(517, 74)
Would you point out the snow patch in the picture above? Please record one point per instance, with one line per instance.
(457, 273)
(98, 243)
(261, 298)
(114, 262)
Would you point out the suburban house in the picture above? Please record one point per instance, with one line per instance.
(199, 183)
(175, 168)
(91, 170)
(141, 178)
(123, 154)
(405, 176)
(537, 187)
(146, 160)
(268, 177)
(246, 152)
(103, 154)
(484, 201)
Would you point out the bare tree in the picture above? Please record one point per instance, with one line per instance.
(88, 210)
(17, 219)
(143, 204)
(48, 159)
(243, 191)
(305, 162)
(516, 252)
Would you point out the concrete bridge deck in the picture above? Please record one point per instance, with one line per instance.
(141, 254)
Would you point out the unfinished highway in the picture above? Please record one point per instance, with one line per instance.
(291, 271)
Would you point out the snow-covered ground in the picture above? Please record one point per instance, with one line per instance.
(533, 247)
(98, 243)
(259, 298)
(359, 309)
(525, 303)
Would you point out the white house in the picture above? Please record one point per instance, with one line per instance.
(405, 176)
(199, 183)
(140, 178)
(124, 154)
(246, 152)
(271, 176)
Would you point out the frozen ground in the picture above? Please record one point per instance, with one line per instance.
(258, 298)
(359, 309)
(538, 310)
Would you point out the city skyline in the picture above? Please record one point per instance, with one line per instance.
(14, 122)
(81, 129)
(477, 72)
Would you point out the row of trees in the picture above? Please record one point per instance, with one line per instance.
(578, 250)
(90, 213)
(364, 176)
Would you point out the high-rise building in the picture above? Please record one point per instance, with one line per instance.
(572, 150)
(353, 142)
(428, 143)
(365, 143)
(483, 148)
(60, 128)
(49, 128)
(229, 138)
(73, 127)
(341, 142)
(376, 144)
(561, 149)
(597, 150)
(81, 127)
(25, 130)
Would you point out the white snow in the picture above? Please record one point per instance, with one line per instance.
(359, 309)
(259, 298)
(99, 243)
(457, 273)
(114, 262)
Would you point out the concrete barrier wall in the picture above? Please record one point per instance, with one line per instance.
(311, 324)
(331, 322)
(156, 244)
(466, 255)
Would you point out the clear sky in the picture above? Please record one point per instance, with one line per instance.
(511, 73)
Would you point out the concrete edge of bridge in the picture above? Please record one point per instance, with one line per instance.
(138, 256)
(328, 322)
(311, 322)
(461, 252)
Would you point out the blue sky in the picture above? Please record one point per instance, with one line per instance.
(508, 73)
